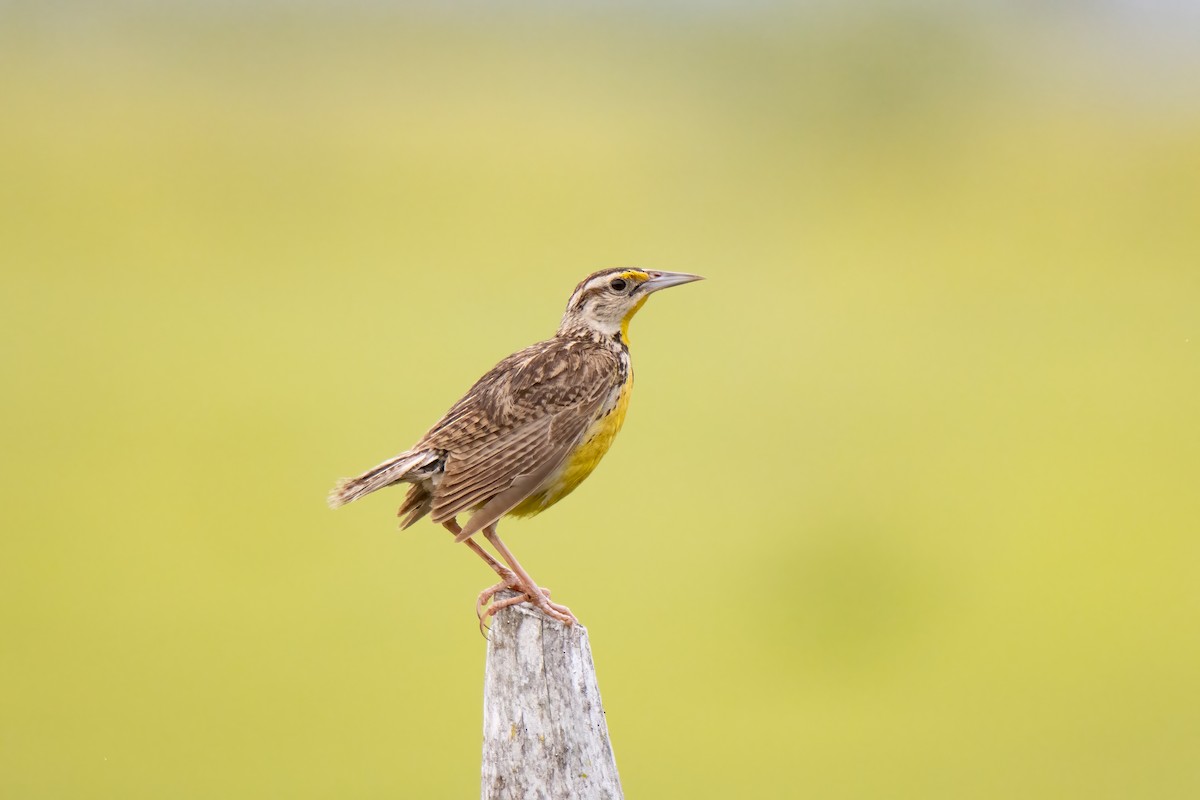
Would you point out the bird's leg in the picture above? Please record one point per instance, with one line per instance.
(508, 579)
(536, 595)
(500, 569)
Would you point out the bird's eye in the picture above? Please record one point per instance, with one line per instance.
(618, 285)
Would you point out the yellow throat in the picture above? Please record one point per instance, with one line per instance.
(629, 316)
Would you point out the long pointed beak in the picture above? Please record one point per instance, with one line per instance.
(665, 280)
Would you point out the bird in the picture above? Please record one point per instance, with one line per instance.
(526, 434)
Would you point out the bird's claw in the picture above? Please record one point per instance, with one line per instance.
(482, 608)
(540, 599)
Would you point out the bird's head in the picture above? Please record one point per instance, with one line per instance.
(604, 302)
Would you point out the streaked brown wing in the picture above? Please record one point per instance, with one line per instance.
(472, 478)
(516, 425)
(496, 481)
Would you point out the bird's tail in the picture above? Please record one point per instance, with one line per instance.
(394, 470)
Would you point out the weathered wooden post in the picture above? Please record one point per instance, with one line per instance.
(544, 734)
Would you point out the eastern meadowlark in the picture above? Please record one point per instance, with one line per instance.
(527, 433)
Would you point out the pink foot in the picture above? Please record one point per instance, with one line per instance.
(540, 601)
(485, 597)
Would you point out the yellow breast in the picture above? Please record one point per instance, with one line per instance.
(580, 463)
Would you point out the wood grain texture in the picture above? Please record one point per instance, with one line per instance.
(544, 732)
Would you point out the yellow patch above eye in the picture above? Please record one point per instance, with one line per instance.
(633, 275)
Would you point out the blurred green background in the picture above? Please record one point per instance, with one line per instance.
(906, 504)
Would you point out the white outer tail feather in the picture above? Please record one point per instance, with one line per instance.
(394, 470)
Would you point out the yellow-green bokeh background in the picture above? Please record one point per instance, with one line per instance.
(906, 504)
